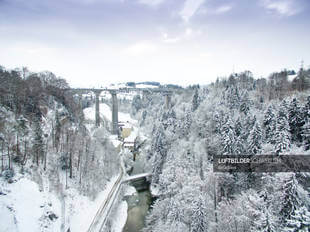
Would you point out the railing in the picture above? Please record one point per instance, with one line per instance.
(106, 206)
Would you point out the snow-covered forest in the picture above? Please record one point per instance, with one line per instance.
(45, 137)
(237, 115)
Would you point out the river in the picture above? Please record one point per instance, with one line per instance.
(138, 205)
(137, 211)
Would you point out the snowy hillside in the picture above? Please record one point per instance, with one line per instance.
(58, 168)
(25, 207)
(235, 116)
(52, 167)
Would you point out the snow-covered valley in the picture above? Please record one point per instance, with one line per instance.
(29, 206)
(61, 172)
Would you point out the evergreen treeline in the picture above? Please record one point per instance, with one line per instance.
(238, 115)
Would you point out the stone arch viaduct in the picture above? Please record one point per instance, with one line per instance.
(97, 91)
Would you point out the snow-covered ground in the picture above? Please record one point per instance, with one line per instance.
(144, 86)
(125, 117)
(85, 209)
(24, 207)
(121, 212)
(120, 217)
(105, 111)
(292, 77)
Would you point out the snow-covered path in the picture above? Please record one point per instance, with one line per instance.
(100, 218)
(102, 213)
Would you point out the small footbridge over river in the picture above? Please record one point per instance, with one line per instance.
(138, 178)
(140, 181)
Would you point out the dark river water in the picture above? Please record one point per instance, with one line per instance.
(138, 205)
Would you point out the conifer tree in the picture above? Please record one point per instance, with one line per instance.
(293, 197)
(247, 124)
(306, 135)
(255, 139)
(270, 124)
(232, 97)
(296, 120)
(160, 152)
(195, 101)
(267, 220)
(238, 127)
(136, 104)
(199, 222)
(302, 80)
(244, 102)
(185, 123)
(300, 221)
(232, 144)
(282, 134)
(228, 138)
(306, 110)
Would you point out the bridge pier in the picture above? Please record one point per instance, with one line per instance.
(146, 91)
(168, 100)
(97, 116)
(114, 112)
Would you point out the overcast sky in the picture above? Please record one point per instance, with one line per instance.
(95, 42)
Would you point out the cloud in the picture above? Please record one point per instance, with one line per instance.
(207, 55)
(140, 49)
(151, 2)
(34, 49)
(223, 9)
(283, 7)
(167, 39)
(190, 8)
(187, 34)
(91, 2)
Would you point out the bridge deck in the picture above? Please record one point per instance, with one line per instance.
(157, 90)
